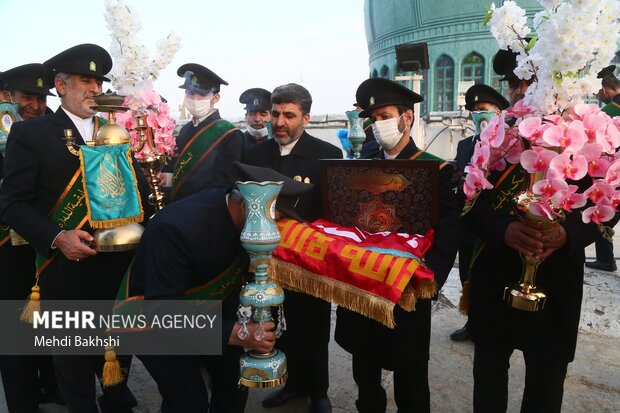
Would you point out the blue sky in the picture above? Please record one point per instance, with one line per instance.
(250, 43)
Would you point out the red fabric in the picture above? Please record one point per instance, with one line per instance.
(345, 254)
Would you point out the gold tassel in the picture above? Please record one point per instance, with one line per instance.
(408, 299)
(464, 300)
(112, 374)
(34, 304)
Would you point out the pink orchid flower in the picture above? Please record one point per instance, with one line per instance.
(480, 158)
(581, 110)
(475, 181)
(542, 209)
(495, 131)
(597, 166)
(564, 167)
(612, 176)
(569, 199)
(570, 139)
(599, 190)
(601, 212)
(514, 151)
(519, 110)
(151, 98)
(548, 187)
(537, 159)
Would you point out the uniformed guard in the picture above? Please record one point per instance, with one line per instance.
(29, 86)
(504, 64)
(207, 145)
(191, 250)
(484, 103)
(405, 349)
(257, 112)
(610, 95)
(38, 199)
(27, 380)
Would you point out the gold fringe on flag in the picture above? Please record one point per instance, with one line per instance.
(464, 300)
(370, 305)
(33, 304)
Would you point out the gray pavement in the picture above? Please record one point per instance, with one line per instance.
(592, 383)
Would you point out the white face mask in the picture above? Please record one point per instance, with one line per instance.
(198, 108)
(387, 133)
(258, 133)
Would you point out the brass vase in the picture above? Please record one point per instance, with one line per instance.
(526, 295)
(151, 164)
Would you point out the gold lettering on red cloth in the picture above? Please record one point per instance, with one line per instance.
(359, 270)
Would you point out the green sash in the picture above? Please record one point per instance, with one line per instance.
(70, 211)
(612, 109)
(216, 289)
(197, 149)
(426, 156)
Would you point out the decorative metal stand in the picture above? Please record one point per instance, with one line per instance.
(152, 164)
(356, 132)
(259, 237)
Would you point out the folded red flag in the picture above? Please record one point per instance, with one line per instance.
(364, 272)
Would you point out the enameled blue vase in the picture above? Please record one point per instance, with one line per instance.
(356, 132)
(259, 237)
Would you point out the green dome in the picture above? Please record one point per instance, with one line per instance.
(459, 47)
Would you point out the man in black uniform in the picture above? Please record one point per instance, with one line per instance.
(27, 380)
(295, 153)
(257, 111)
(405, 349)
(38, 168)
(609, 94)
(484, 103)
(207, 145)
(187, 245)
(547, 337)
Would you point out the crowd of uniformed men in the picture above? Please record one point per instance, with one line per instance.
(195, 239)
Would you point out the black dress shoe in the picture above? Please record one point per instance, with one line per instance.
(462, 334)
(321, 406)
(279, 397)
(601, 265)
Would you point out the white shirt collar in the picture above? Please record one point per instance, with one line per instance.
(84, 126)
(287, 149)
(385, 154)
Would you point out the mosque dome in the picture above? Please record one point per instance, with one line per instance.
(459, 47)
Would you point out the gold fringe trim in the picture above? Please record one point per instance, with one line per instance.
(33, 304)
(370, 305)
(114, 223)
(297, 279)
(112, 373)
(464, 300)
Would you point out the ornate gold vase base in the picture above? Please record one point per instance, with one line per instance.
(526, 298)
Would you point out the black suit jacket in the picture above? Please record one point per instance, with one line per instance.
(217, 169)
(37, 169)
(410, 339)
(302, 161)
